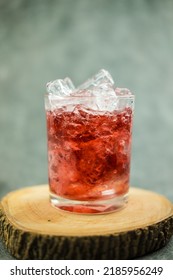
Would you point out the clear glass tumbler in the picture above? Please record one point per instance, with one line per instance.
(89, 151)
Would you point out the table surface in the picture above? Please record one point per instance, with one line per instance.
(40, 42)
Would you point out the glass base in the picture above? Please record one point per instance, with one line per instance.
(89, 207)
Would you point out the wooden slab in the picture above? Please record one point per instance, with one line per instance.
(32, 229)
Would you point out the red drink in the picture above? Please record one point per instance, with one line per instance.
(89, 157)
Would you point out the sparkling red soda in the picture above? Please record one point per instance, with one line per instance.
(89, 153)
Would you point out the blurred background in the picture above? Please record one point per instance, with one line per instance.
(47, 39)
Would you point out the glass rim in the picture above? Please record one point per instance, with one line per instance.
(56, 97)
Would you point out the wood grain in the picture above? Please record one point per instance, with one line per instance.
(32, 229)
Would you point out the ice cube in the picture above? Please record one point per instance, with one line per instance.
(60, 87)
(125, 98)
(102, 80)
(81, 93)
(101, 88)
(105, 97)
(122, 91)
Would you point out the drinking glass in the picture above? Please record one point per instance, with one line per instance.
(89, 151)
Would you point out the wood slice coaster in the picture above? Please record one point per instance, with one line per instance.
(32, 229)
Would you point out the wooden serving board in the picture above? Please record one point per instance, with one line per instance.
(32, 229)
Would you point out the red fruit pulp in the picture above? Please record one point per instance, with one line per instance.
(89, 153)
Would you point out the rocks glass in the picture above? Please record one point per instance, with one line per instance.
(89, 132)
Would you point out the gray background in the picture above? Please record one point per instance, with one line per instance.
(45, 40)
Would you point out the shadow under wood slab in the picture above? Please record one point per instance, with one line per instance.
(32, 229)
